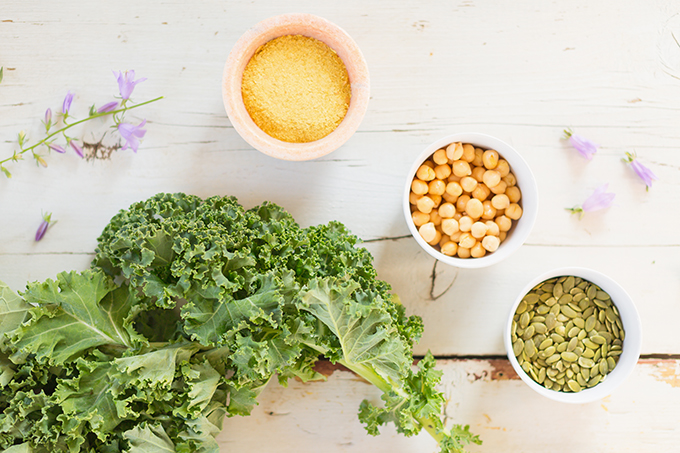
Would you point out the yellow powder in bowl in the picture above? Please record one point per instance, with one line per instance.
(296, 89)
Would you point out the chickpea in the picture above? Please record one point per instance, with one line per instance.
(489, 211)
(454, 151)
(513, 193)
(419, 218)
(449, 248)
(491, 178)
(453, 178)
(474, 208)
(466, 240)
(465, 224)
(504, 223)
(490, 159)
(479, 230)
(468, 152)
(491, 243)
(460, 168)
(442, 171)
(425, 172)
(500, 188)
(481, 192)
(503, 167)
(425, 204)
(502, 235)
(445, 238)
(413, 198)
(436, 198)
(436, 187)
(468, 183)
(447, 210)
(458, 215)
(477, 250)
(439, 157)
(435, 217)
(454, 189)
(478, 162)
(449, 198)
(493, 228)
(419, 187)
(450, 226)
(500, 201)
(514, 211)
(462, 202)
(429, 163)
(437, 237)
(510, 180)
(455, 237)
(463, 252)
(427, 232)
(478, 173)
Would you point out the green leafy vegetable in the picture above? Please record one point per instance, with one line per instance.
(191, 307)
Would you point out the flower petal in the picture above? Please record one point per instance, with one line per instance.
(600, 199)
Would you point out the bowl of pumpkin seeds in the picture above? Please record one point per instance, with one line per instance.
(573, 335)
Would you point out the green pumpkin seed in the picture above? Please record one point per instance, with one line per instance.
(588, 343)
(598, 339)
(531, 298)
(550, 350)
(585, 362)
(593, 381)
(545, 343)
(554, 308)
(565, 299)
(572, 344)
(526, 366)
(568, 283)
(591, 292)
(598, 354)
(569, 356)
(550, 321)
(581, 380)
(542, 309)
(556, 338)
(524, 320)
(588, 312)
(589, 353)
(528, 332)
(590, 323)
(521, 308)
(539, 327)
(570, 373)
(548, 384)
(573, 331)
(551, 372)
(562, 346)
(529, 348)
(552, 359)
(541, 376)
(602, 295)
(568, 311)
(579, 322)
(574, 386)
(518, 346)
(603, 366)
(611, 363)
(558, 290)
(585, 372)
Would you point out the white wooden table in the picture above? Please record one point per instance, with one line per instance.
(521, 71)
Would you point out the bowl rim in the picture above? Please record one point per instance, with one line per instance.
(632, 342)
(307, 25)
(527, 183)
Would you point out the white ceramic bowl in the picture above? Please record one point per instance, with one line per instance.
(313, 27)
(631, 344)
(525, 181)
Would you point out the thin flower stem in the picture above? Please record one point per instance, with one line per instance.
(70, 125)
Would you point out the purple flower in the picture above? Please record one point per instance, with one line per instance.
(57, 148)
(107, 107)
(581, 144)
(600, 199)
(67, 103)
(46, 222)
(77, 148)
(131, 134)
(126, 82)
(48, 116)
(643, 172)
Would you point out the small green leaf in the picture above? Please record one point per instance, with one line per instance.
(5, 171)
(2, 71)
(149, 439)
(93, 110)
(22, 138)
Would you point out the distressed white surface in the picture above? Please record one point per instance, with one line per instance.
(521, 71)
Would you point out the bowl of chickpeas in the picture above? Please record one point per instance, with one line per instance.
(470, 200)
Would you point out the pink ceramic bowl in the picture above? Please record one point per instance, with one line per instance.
(313, 27)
